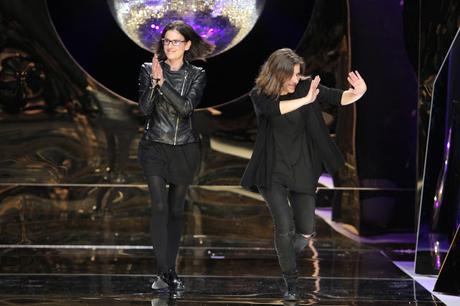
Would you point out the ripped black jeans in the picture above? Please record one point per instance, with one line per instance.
(292, 213)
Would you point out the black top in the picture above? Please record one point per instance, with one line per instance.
(289, 129)
(296, 163)
(289, 132)
(315, 148)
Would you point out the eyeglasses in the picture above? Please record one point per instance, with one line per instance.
(174, 42)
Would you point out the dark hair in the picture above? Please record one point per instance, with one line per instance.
(199, 49)
(278, 68)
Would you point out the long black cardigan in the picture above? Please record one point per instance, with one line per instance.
(259, 169)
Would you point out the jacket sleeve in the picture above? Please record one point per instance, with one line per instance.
(146, 91)
(265, 105)
(332, 96)
(185, 105)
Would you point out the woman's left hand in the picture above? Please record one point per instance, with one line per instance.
(358, 86)
(157, 71)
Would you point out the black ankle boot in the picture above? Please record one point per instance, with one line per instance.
(174, 282)
(290, 280)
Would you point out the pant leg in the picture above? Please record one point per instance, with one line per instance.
(159, 220)
(277, 200)
(176, 200)
(303, 208)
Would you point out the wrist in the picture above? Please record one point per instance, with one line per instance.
(153, 82)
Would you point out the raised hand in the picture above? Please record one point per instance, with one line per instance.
(157, 71)
(313, 91)
(358, 86)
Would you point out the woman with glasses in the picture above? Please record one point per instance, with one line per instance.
(170, 88)
(292, 147)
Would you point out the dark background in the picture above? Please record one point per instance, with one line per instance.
(92, 36)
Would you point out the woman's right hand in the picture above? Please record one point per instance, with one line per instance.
(313, 91)
(157, 71)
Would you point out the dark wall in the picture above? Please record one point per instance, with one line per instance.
(386, 115)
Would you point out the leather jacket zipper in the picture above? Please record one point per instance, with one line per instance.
(177, 119)
(175, 133)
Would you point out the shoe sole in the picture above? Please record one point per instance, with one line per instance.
(161, 288)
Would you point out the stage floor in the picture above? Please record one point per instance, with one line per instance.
(334, 269)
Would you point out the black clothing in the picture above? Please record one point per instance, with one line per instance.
(295, 163)
(176, 164)
(289, 132)
(167, 221)
(289, 218)
(288, 156)
(169, 108)
(169, 147)
(261, 165)
(169, 152)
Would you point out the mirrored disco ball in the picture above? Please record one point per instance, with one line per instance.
(222, 22)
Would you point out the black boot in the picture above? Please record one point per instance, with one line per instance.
(174, 282)
(290, 280)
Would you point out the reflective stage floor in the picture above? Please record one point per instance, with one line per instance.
(334, 271)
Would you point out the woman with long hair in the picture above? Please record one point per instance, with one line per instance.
(170, 88)
(292, 147)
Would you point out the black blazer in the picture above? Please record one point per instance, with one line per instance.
(259, 169)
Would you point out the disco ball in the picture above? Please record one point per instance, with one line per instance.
(222, 22)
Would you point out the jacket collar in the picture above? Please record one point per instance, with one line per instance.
(166, 67)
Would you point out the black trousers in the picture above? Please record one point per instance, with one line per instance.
(292, 213)
(167, 220)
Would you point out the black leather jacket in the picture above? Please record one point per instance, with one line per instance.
(169, 108)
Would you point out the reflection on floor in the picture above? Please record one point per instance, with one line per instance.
(427, 282)
(397, 246)
(334, 271)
